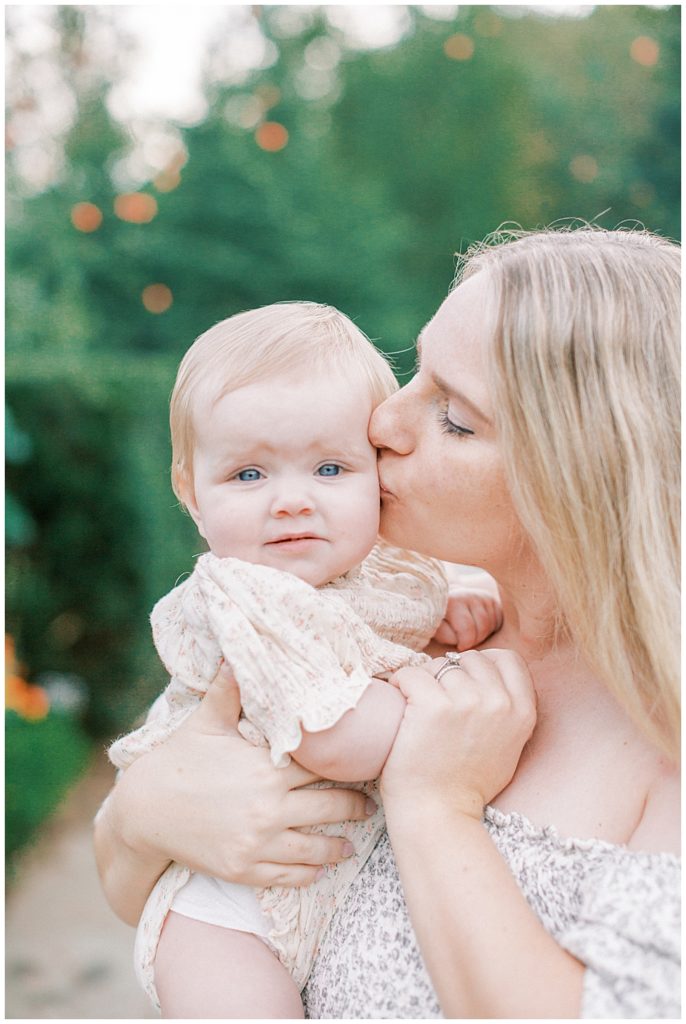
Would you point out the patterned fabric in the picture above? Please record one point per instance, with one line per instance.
(616, 910)
(302, 658)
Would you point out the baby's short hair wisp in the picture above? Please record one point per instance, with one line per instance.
(261, 344)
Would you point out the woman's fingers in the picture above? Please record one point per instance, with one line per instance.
(268, 874)
(416, 682)
(295, 847)
(326, 806)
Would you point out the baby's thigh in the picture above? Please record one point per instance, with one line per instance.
(202, 970)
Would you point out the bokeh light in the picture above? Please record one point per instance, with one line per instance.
(167, 181)
(86, 217)
(584, 168)
(645, 51)
(269, 95)
(641, 194)
(458, 47)
(157, 298)
(486, 23)
(135, 207)
(271, 136)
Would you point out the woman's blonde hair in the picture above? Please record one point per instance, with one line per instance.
(283, 338)
(586, 383)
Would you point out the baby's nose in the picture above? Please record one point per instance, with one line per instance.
(292, 502)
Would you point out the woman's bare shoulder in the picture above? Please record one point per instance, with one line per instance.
(659, 829)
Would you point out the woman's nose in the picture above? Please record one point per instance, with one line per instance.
(391, 425)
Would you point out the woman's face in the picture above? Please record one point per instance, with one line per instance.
(443, 486)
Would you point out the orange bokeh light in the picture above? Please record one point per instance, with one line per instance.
(135, 207)
(584, 168)
(157, 298)
(458, 47)
(166, 181)
(271, 136)
(86, 217)
(645, 51)
(31, 702)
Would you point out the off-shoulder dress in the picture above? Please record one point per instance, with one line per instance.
(616, 910)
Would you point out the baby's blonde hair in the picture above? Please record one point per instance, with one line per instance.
(586, 383)
(260, 344)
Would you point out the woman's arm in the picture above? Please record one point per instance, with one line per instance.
(208, 799)
(486, 951)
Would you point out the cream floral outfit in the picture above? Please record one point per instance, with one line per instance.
(302, 658)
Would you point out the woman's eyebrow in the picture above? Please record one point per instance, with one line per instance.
(459, 396)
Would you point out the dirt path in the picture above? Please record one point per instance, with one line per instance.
(67, 955)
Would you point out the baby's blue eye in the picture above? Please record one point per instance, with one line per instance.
(248, 475)
(329, 469)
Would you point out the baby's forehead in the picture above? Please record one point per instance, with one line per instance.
(313, 411)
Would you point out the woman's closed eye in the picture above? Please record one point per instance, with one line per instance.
(453, 428)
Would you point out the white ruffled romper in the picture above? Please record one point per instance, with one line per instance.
(302, 658)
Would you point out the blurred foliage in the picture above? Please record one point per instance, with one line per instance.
(356, 181)
(42, 758)
(111, 539)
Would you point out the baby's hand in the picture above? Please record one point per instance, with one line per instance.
(472, 615)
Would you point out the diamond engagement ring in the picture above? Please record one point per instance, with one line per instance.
(452, 660)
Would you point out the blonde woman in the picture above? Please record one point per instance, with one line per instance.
(538, 440)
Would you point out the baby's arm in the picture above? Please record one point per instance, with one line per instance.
(474, 610)
(356, 747)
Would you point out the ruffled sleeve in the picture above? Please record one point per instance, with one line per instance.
(301, 660)
(627, 934)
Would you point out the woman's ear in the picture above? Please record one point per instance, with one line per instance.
(185, 491)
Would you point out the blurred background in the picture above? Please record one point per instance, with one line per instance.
(170, 166)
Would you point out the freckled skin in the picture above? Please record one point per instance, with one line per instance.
(448, 492)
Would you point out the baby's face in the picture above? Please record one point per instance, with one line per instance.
(285, 476)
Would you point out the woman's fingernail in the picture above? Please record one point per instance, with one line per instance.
(348, 849)
(370, 807)
(320, 874)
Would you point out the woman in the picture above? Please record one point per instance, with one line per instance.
(539, 440)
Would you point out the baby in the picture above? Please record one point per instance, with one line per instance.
(271, 457)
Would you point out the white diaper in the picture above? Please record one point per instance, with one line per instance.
(222, 903)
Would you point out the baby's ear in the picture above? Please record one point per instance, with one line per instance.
(185, 492)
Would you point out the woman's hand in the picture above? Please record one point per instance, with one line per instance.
(208, 799)
(462, 736)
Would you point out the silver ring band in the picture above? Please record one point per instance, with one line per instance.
(452, 660)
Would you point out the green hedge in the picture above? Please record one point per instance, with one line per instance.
(42, 759)
(108, 537)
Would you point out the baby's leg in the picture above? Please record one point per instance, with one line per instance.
(202, 970)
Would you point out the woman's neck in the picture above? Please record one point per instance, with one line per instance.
(533, 626)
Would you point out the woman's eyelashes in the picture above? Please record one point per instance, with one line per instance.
(449, 427)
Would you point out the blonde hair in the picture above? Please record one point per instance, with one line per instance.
(586, 384)
(260, 344)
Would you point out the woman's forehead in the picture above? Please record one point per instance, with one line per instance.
(463, 323)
